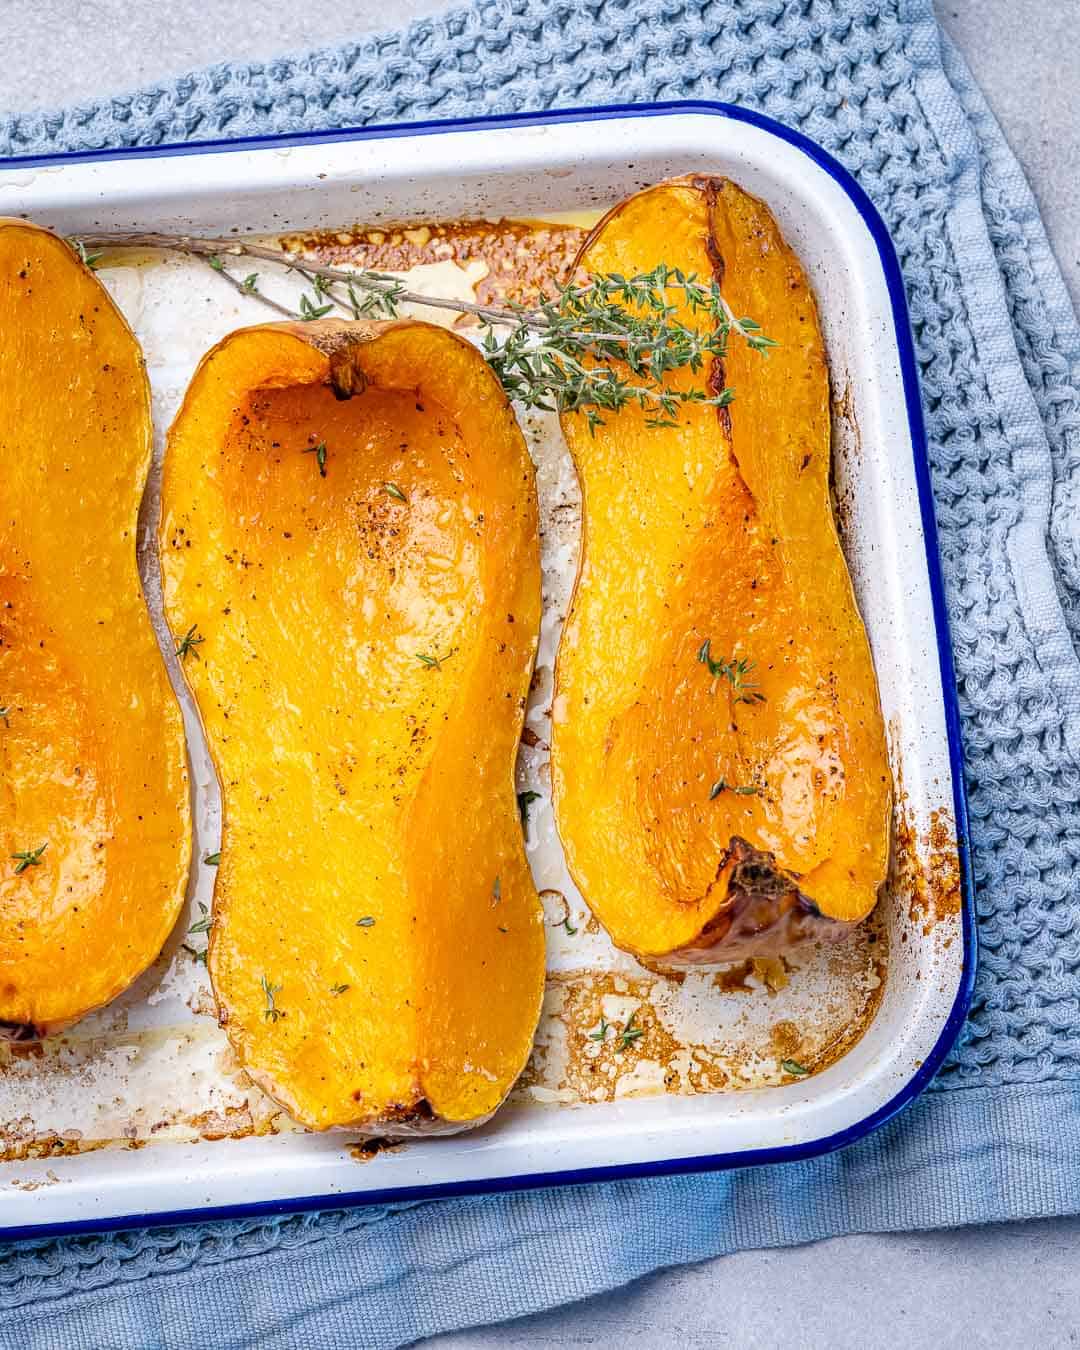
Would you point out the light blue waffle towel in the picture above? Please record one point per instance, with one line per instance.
(998, 1134)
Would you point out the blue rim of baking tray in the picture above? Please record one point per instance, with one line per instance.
(905, 347)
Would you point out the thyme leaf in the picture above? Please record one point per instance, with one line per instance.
(366, 922)
(392, 490)
(432, 661)
(722, 785)
(310, 311)
(189, 643)
(524, 801)
(87, 259)
(793, 1066)
(319, 451)
(735, 671)
(337, 989)
(29, 857)
(629, 1034)
(212, 859)
(601, 1033)
(204, 923)
(271, 1012)
(249, 285)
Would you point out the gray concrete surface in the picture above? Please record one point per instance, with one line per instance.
(995, 1286)
(122, 44)
(971, 1289)
(1026, 58)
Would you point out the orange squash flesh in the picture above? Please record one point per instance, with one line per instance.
(92, 760)
(362, 683)
(700, 822)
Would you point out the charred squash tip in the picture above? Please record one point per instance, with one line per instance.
(20, 1031)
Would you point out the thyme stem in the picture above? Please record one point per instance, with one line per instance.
(371, 281)
(226, 249)
(245, 289)
(590, 348)
(271, 1012)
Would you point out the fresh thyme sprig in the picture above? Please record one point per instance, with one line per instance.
(560, 355)
(590, 348)
(249, 285)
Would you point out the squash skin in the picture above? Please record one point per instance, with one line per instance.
(359, 783)
(92, 750)
(720, 530)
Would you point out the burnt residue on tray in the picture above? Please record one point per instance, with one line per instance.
(366, 1150)
(926, 867)
(523, 258)
(925, 863)
(605, 1035)
(21, 1142)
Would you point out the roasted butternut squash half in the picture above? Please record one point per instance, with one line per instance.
(349, 534)
(719, 766)
(95, 828)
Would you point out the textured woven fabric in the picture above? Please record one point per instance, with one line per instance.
(999, 352)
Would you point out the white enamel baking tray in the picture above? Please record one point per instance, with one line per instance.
(96, 1092)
